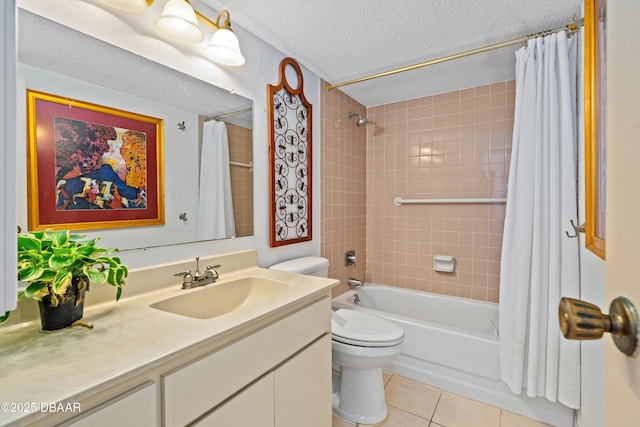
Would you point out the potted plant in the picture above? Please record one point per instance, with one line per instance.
(58, 267)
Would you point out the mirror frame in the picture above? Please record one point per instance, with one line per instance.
(595, 142)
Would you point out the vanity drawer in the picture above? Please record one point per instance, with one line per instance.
(136, 407)
(253, 407)
(192, 390)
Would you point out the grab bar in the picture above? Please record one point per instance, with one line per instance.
(399, 201)
(242, 165)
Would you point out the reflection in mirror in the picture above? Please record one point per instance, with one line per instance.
(595, 133)
(59, 60)
(226, 176)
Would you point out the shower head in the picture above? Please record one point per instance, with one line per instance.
(361, 120)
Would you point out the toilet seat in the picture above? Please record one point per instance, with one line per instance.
(364, 330)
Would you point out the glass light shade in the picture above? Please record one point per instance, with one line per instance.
(224, 48)
(131, 6)
(179, 23)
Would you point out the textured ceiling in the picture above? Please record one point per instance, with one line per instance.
(342, 40)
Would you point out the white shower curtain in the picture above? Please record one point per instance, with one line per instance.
(539, 262)
(215, 205)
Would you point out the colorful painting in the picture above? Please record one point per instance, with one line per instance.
(92, 166)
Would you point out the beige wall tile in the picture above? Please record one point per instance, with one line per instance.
(465, 128)
(343, 181)
(241, 150)
(456, 144)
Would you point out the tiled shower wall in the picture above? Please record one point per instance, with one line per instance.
(343, 185)
(241, 150)
(452, 145)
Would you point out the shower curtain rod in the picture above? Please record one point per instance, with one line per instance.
(570, 27)
(235, 113)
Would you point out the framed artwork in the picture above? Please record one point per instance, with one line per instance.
(91, 166)
(595, 132)
(290, 160)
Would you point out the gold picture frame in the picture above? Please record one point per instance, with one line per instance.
(594, 114)
(91, 166)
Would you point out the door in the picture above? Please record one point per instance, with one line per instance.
(622, 374)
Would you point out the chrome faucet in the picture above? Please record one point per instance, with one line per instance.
(354, 282)
(209, 275)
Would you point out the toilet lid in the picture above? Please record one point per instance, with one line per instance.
(362, 329)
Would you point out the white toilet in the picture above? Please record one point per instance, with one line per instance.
(362, 344)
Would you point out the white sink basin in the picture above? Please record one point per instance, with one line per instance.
(217, 299)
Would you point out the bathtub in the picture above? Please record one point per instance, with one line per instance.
(450, 343)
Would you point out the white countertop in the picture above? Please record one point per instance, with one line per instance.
(128, 338)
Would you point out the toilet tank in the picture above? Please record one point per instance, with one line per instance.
(309, 265)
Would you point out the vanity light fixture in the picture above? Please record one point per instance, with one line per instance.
(223, 47)
(179, 22)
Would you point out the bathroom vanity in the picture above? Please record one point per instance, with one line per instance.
(264, 362)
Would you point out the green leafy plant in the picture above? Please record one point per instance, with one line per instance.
(49, 260)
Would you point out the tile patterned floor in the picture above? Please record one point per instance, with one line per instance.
(413, 404)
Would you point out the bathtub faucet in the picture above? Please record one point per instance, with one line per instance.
(354, 282)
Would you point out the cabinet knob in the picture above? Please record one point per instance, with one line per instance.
(581, 320)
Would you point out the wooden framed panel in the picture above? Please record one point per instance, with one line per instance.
(290, 160)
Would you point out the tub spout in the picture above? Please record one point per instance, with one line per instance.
(354, 282)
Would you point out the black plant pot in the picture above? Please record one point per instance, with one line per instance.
(69, 309)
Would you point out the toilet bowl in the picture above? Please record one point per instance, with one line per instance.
(361, 345)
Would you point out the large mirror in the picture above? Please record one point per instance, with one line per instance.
(58, 60)
(595, 135)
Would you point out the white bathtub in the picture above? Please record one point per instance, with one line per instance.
(451, 343)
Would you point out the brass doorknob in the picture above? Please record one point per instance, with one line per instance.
(580, 320)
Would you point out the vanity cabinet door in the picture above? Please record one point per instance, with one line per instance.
(193, 390)
(251, 407)
(134, 408)
(303, 387)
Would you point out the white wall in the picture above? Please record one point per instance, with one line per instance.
(8, 247)
(591, 413)
(180, 150)
(622, 374)
(592, 289)
(261, 68)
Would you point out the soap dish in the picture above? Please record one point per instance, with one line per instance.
(444, 263)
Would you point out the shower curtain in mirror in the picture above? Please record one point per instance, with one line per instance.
(539, 262)
(215, 205)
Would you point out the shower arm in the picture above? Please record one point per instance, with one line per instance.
(361, 121)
